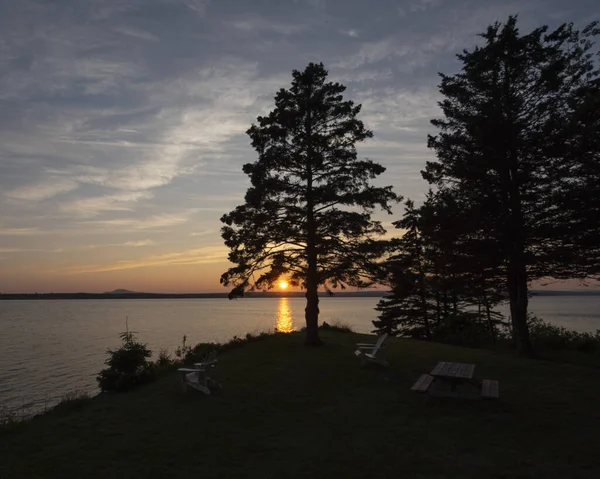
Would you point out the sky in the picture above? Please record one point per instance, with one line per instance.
(122, 122)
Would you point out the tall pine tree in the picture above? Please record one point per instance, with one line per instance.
(307, 214)
(495, 149)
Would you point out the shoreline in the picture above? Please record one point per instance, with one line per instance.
(250, 295)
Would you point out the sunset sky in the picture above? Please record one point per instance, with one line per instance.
(122, 122)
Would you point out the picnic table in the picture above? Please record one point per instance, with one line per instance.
(446, 377)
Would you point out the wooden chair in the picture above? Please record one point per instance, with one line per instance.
(198, 378)
(367, 352)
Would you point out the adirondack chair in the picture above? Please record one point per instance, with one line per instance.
(367, 352)
(198, 378)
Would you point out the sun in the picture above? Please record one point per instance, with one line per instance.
(283, 284)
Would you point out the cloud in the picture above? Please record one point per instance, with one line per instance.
(152, 222)
(197, 6)
(51, 187)
(259, 24)
(204, 255)
(137, 244)
(130, 244)
(95, 205)
(202, 233)
(136, 33)
(423, 5)
(9, 249)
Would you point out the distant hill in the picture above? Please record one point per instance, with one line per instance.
(122, 291)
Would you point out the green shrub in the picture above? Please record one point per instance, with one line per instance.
(9, 418)
(182, 351)
(462, 330)
(548, 336)
(128, 366)
(72, 401)
(164, 361)
(198, 352)
(337, 326)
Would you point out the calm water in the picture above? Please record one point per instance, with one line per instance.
(48, 348)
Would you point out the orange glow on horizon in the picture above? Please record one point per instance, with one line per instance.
(283, 284)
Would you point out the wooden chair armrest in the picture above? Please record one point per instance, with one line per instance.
(370, 347)
(210, 363)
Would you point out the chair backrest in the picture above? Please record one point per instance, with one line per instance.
(210, 358)
(379, 343)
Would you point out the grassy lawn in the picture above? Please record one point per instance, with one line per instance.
(287, 411)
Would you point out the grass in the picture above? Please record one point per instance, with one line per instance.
(295, 412)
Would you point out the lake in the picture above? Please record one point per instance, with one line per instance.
(49, 347)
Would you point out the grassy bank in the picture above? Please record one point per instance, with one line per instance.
(287, 411)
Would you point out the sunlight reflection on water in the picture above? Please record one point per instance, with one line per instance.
(284, 322)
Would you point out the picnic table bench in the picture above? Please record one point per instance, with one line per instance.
(446, 377)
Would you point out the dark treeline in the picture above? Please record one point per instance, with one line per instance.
(515, 187)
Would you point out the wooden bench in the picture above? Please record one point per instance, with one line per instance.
(490, 389)
(422, 384)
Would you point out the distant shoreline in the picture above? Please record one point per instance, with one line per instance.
(268, 294)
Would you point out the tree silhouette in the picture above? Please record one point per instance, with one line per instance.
(508, 116)
(441, 275)
(307, 214)
(406, 310)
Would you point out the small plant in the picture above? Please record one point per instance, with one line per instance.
(558, 338)
(128, 366)
(337, 326)
(8, 418)
(164, 360)
(184, 350)
(72, 401)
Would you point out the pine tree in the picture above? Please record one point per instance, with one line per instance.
(307, 214)
(406, 310)
(495, 149)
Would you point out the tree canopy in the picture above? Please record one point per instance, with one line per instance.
(307, 214)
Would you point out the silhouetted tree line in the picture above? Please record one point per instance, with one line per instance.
(516, 186)
(514, 191)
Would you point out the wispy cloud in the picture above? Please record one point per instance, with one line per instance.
(115, 202)
(131, 244)
(50, 188)
(137, 244)
(20, 232)
(152, 222)
(202, 233)
(136, 33)
(204, 255)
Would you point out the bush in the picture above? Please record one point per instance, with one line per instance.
(182, 351)
(558, 338)
(128, 366)
(9, 418)
(462, 330)
(164, 360)
(198, 352)
(337, 326)
(72, 401)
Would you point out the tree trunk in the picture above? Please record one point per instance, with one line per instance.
(312, 316)
(424, 311)
(312, 280)
(518, 311)
(517, 269)
(515, 240)
(486, 303)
